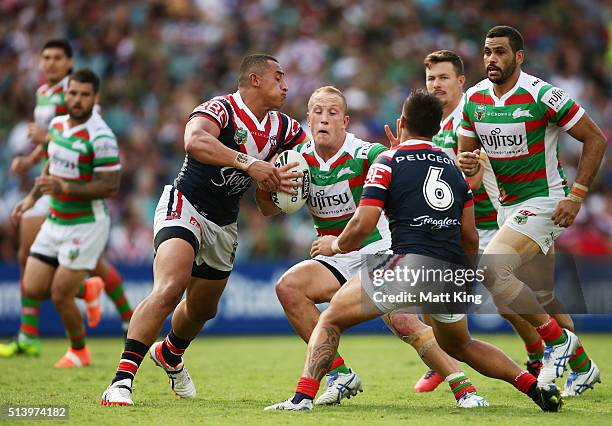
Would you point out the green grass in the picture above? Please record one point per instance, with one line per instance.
(237, 377)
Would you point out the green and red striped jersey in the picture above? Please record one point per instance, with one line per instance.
(336, 186)
(75, 154)
(50, 102)
(485, 197)
(520, 134)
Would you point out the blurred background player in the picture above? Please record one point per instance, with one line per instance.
(412, 180)
(339, 163)
(56, 64)
(517, 118)
(83, 169)
(228, 142)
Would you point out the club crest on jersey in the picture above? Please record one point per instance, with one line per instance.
(73, 253)
(479, 114)
(241, 135)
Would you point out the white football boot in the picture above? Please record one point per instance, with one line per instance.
(471, 400)
(303, 405)
(340, 386)
(556, 359)
(118, 393)
(577, 383)
(178, 376)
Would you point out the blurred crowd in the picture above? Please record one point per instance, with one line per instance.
(158, 59)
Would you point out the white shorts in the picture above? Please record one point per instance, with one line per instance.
(393, 295)
(532, 218)
(74, 246)
(214, 245)
(484, 238)
(39, 209)
(349, 264)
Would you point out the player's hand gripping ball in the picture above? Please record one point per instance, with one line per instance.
(290, 203)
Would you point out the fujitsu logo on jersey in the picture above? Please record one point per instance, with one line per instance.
(235, 181)
(495, 139)
(320, 201)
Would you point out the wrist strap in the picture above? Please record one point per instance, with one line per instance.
(573, 197)
(335, 247)
(243, 161)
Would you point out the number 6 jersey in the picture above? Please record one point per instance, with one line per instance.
(423, 194)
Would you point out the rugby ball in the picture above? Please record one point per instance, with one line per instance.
(289, 203)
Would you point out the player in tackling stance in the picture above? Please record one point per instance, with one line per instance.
(229, 140)
(411, 181)
(339, 163)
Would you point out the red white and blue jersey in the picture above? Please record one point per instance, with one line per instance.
(423, 194)
(215, 191)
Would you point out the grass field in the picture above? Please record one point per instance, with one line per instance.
(236, 377)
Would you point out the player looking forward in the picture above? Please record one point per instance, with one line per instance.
(83, 170)
(516, 118)
(56, 65)
(339, 163)
(228, 142)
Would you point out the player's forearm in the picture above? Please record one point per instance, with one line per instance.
(590, 160)
(36, 155)
(355, 232)
(103, 187)
(265, 204)
(476, 180)
(207, 149)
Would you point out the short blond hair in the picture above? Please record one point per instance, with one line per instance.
(330, 90)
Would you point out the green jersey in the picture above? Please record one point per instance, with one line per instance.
(75, 154)
(336, 186)
(485, 197)
(520, 133)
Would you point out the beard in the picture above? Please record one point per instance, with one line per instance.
(505, 73)
(80, 114)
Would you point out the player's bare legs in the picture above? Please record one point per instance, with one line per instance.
(27, 341)
(300, 289)
(199, 306)
(172, 274)
(65, 285)
(508, 252)
(113, 287)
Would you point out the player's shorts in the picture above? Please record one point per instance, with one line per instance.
(346, 265)
(401, 294)
(532, 218)
(214, 246)
(39, 209)
(72, 246)
(484, 238)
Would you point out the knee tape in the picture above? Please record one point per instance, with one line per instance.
(545, 296)
(499, 263)
(417, 334)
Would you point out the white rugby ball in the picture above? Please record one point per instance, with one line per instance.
(289, 203)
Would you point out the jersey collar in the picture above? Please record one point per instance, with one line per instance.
(456, 111)
(69, 131)
(260, 125)
(502, 101)
(325, 165)
(412, 142)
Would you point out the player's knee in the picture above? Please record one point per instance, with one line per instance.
(199, 312)
(35, 293)
(332, 317)
(498, 265)
(456, 348)
(59, 296)
(288, 290)
(167, 297)
(411, 330)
